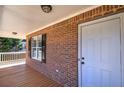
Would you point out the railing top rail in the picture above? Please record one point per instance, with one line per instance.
(13, 52)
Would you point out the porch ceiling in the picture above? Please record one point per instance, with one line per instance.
(27, 18)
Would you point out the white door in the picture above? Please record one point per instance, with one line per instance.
(100, 52)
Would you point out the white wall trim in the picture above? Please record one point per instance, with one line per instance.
(121, 17)
(65, 18)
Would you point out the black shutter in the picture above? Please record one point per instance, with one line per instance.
(44, 48)
(29, 47)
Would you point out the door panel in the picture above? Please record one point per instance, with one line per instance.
(100, 46)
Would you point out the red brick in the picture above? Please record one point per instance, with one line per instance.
(62, 44)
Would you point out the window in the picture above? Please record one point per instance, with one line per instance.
(38, 47)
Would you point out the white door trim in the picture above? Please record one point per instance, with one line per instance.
(121, 17)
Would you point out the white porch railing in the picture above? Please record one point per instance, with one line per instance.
(11, 56)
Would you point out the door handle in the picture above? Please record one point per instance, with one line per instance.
(82, 62)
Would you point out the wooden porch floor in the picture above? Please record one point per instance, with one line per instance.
(24, 76)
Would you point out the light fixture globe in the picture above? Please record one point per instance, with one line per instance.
(46, 8)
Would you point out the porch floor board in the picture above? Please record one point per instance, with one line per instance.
(24, 76)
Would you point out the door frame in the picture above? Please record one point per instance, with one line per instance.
(115, 16)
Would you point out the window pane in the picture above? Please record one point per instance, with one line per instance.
(39, 39)
(33, 43)
(34, 53)
(39, 53)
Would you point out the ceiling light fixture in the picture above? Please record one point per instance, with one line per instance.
(46, 8)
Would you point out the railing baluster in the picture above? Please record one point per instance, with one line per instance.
(19, 56)
(2, 57)
(15, 56)
(12, 56)
(6, 57)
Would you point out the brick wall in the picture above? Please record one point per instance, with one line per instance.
(62, 45)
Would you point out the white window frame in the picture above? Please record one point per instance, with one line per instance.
(37, 47)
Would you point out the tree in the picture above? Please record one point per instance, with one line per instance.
(9, 44)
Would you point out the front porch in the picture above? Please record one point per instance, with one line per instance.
(24, 76)
(64, 47)
(15, 73)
